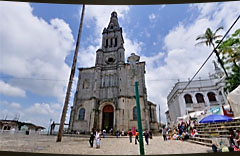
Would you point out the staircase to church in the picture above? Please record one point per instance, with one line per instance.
(208, 131)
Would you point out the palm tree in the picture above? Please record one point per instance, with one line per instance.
(64, 112)
(230, 49)
(208, 38)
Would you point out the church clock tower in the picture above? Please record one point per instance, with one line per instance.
(105, 94)
(112, 52)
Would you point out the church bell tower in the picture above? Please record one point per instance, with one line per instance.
(112, 51)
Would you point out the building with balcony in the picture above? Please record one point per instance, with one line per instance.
(200, 95)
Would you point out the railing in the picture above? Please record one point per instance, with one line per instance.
(214, 103)
(12, 132)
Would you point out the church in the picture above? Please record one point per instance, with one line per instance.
(105, 94)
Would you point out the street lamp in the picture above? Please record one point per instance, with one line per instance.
(49, 127)
(133, 59)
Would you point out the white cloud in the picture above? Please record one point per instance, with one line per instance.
(38, 113)
(101, 14)
(44, 112)
(38, 108)
(152, 17)
(131, 46)
(34, 48)
(162, 6)
(10, 110)
(9, 90)
(15, 105)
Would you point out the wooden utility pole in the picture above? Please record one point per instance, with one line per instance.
(64, 112)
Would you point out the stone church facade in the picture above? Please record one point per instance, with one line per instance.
(105, 94)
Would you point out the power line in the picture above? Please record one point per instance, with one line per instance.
(178, 79)
(210, 54)
(30, 78)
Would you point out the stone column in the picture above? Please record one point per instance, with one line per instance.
(205, 97)
(117, 119)
(92, 117)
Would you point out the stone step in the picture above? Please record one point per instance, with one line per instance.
(220, 127)
(219, 124)
(211, 135)
(198, 142)
(212, 132)
(206, 140)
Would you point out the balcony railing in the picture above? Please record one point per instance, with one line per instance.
(213, 103)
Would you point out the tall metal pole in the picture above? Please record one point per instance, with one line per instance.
(49, 127)
(64, 112)
(160, 115)
(132, 60)
(141, 145)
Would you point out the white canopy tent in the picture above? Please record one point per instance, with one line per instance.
(234, 101)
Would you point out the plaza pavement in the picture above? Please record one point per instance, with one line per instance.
(80, 145)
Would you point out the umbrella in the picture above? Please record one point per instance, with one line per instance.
(215, 118)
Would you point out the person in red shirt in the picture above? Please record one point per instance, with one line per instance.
(136, 137)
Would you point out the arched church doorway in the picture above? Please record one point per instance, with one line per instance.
(107, 120)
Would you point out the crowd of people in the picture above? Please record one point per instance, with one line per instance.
(181, 132)
(147, 134)
(95, 136)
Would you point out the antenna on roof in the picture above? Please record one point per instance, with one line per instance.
(6, 116)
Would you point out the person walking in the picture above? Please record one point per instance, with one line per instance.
(130, 135)
(98, 138)
(136, 137)
(117, 134)
(164, 133)
(146, 135)
(91, 139)
(150, 134)
(104, 133)
(122, 133)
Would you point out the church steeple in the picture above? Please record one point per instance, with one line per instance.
(218, 72)
(112, 44)
(113, 24)
(112, 35)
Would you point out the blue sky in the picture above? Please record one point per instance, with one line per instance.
(38, 41)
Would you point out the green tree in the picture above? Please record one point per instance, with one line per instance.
(230, 52)
(208, 38)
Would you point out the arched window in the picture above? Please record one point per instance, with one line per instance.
(103, 82)
(199, 98)
(211, 97)
(188, 98)
(111, 44)
(85, 84)
(106, 43)
(115, 42)
(109, 80)
(81, 114)
(135, 113)
(115, 80)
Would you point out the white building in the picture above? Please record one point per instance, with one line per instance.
(200, 95)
